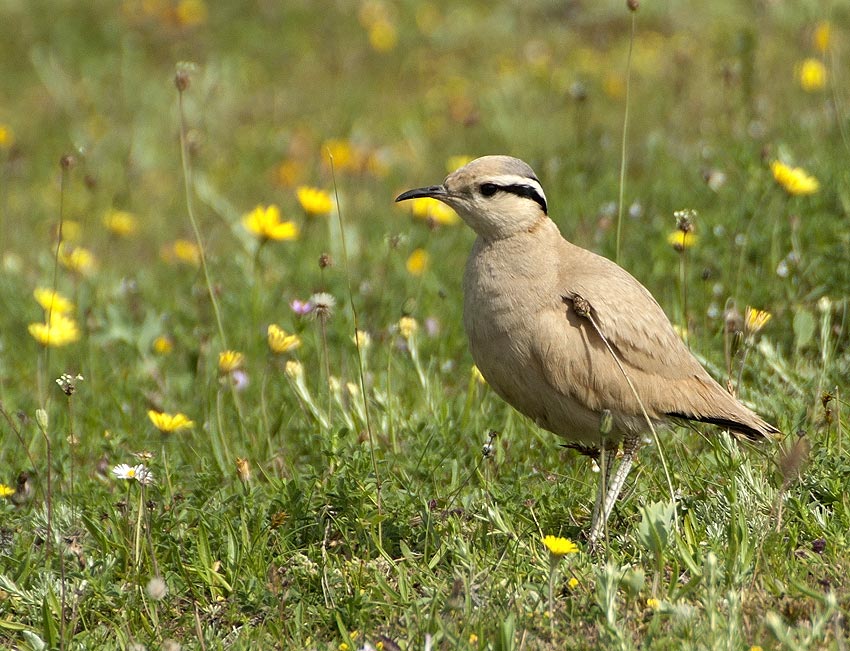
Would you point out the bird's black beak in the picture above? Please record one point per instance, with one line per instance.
(434, 191)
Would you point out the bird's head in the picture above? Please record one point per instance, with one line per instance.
(497, 196)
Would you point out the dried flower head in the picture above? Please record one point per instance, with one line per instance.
(67, 383)
(685, 220)
(323, 304)
(243, 470)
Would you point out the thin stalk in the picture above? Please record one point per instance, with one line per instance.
(360, 365)
(624, 141)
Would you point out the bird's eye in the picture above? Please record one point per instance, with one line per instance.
(488, 189)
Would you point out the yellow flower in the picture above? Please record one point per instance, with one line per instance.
(653, 603)
(614, 86)
(417, 263)
(294, 369)
(456, 162)
(60, 331)
(572, 584)
(186, 251)
(812, 75)
(288, 172)
(383, 36)
(822, 36)
(314, 201)
(755, 320)
(680, 240)
(432, 210)
(476, 375)
(279, 341)
(755, 647)
(163, 345)
(190, 13)
(120, 223)
(343, 154)
(168, 423)
(230, 360)
(407, 326)
(6, 491)
(558, 546)
(343, 646)
(71, 230)
(794, 180)
(7, 137)
(51, 300)
(473, 639)
(362, 339)
(77, 259)
(265, 223)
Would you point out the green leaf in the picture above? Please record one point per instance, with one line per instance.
(804, 328)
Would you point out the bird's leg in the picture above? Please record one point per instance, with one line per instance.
(615, 485)
(607, 455)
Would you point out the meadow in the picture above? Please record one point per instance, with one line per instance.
(237, 409)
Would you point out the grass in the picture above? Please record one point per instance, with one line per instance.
(296, 514)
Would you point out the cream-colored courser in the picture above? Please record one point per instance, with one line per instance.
(566, 336)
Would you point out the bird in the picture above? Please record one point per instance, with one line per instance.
(569, 338)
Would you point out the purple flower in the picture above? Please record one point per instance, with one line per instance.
(301, 308)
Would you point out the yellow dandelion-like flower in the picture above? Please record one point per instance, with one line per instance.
(794, 180)
(343, 154)
(417, 263)
(572, 584)
(558, 546)
(186, 251)
(431, 209)
(294, 370)
(121, 223)
(314, 201)
(383, 36)
(456, 162)
(191, 13)
(168, 423)
(61, 330)
(822, 36)
(812, 75)
(361, 339)
(71, 230)
(52, 302)
(614, 86)
(473, 639)
(6, 491)
(476, 375)
(407, 326)
(680, 240)
(230, 360)
(162, 345)
(77, 259)
(653, 604)
(265, 223)
(756, 647)
(755, 320)
(279, 341)
(7, 136)
(289, 172)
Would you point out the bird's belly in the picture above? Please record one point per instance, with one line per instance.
(499, 334)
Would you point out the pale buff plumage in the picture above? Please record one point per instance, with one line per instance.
(526, 297)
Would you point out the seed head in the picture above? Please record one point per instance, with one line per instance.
(633, 5)
(325, 261)
(182, 79)
(67, 162)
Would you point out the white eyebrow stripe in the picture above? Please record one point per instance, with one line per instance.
(506, 180)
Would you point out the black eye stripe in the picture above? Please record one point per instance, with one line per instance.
(519, 189)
